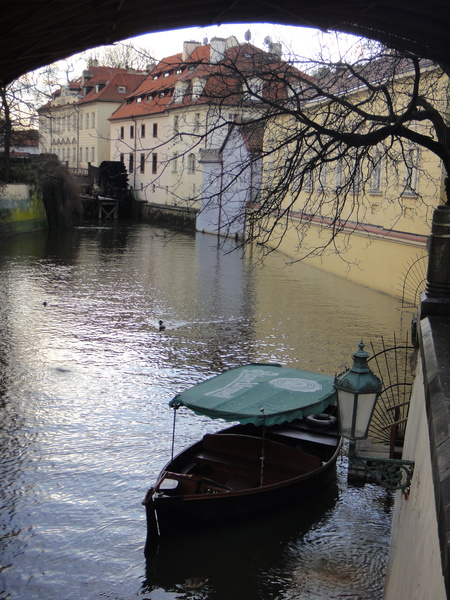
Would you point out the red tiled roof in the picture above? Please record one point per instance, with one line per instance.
(109, 79)
(155, 94)
(110, 92)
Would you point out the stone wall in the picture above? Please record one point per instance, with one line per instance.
(21, 209)
(172, 216)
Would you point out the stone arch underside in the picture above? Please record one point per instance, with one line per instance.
(37, 32)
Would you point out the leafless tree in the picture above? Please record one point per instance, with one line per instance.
(18, 103)
(333, 133)
(122, 55)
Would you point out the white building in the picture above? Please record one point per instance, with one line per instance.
(184, 108)
(231, 181)
(74, 124)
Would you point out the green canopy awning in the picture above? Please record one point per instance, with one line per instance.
(258, 393)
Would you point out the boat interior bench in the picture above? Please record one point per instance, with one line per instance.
(235, 460)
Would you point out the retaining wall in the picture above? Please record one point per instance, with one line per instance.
(21, 209)
(418, 565)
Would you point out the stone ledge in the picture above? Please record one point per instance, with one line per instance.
(435, 349)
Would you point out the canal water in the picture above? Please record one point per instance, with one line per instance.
(84, 385)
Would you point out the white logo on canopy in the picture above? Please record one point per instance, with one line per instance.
(296, 385)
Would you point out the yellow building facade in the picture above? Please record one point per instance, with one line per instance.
(374, 230)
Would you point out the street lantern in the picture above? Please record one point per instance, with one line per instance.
(357, 390)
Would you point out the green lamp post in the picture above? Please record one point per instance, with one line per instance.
(357, 391)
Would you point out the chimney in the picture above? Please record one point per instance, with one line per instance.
(218, 46)
(86, 76)
(275, 48)
(188, 48)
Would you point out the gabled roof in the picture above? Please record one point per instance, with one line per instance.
(101, 84)
(115, 89)
(220, 82)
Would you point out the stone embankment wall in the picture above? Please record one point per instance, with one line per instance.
(418, 565)
(172, 216)
(21, 209)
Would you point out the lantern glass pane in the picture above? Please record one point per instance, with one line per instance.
(366, 403)
(345, 406)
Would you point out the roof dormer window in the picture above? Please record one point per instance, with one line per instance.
(139, 99)
(121, 89)
(166, 74)
(178, 71)
(198, 86)
(180, 90)
(155, 77)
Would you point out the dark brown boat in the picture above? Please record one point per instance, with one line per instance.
(285, 447)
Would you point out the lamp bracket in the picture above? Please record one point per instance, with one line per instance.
(390, 473)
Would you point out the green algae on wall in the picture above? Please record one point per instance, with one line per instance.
(21, 209)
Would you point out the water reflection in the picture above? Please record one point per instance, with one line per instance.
(248, 559)
(84, 386)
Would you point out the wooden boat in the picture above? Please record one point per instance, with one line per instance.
(284, 446)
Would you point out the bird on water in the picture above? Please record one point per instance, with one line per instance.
(161, 325)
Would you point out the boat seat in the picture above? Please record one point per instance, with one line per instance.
(322, 438)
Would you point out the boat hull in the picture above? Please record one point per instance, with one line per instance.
(210, 503)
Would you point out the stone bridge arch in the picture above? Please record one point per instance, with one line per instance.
(34, 33)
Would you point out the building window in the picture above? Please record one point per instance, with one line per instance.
(191, 163)
(87, 121)
(155, 130)
(92, 155)
(122, 158)
(338, 174)
(197, 88)
(122, 133)
(176, 121)
(142, 163)
(357, 179)
(142, 131)
(81, 154)
(253, 89)
(323, 176)
(175, 162)
(180, 90)
(86, 154)
(411, 173)
(131, 162)
(197, 122)
(154, 163)
(131, 132)
(375, 176)
(93, 120)
(81, 121)
(308, 180)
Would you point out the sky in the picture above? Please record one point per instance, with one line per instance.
(302, 41)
